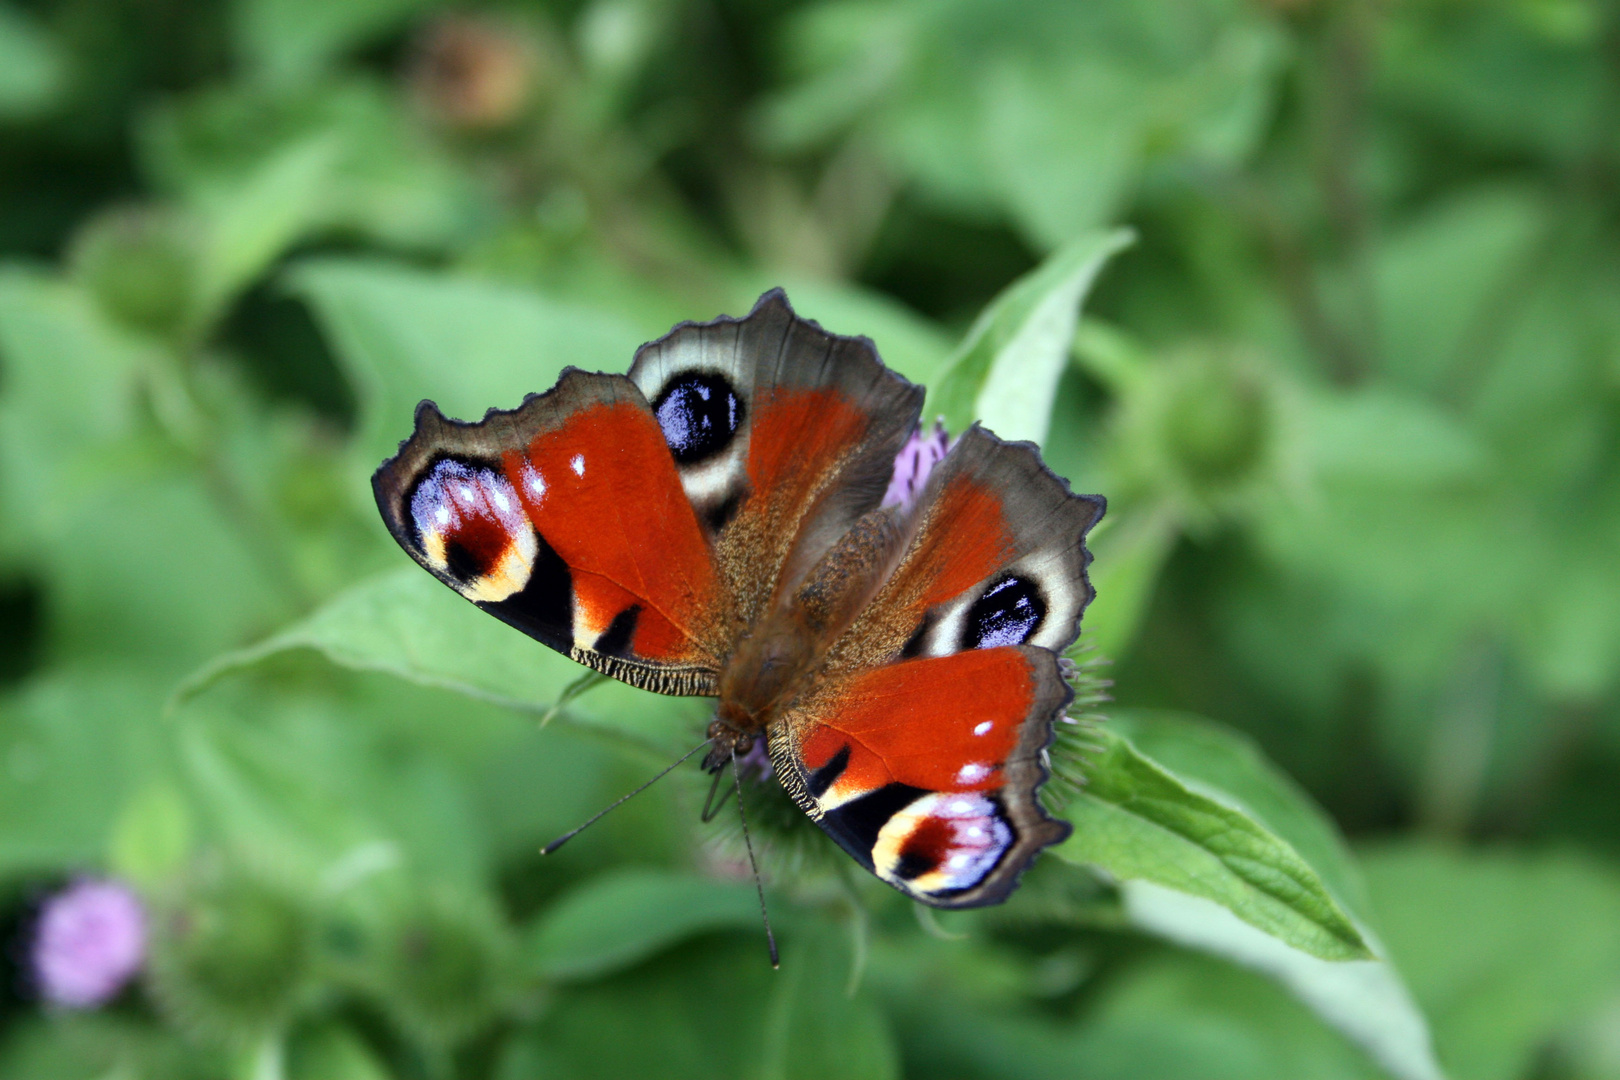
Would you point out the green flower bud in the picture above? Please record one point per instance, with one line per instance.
(230, 958)
(1216, 422)
(443, 971)
(140, 263)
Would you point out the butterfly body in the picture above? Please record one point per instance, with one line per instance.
(722, 522)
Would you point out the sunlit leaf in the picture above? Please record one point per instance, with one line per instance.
(1005, 373)
(1136, 820)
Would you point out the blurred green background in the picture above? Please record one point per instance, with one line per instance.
(1351, 384)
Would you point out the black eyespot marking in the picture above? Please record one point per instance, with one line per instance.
(545, 607)
(699, 413)
(825, 777)
(855, 825)
(464, 565)
(1009, 613)
(720, 516)
(615, 640)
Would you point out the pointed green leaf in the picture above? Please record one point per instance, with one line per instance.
(1136, 820)
(1005, 373)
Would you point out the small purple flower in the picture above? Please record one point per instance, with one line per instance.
(90, 940)
(912, 465)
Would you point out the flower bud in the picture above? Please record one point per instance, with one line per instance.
(1216, 421)
(140, 263)
(230, 957)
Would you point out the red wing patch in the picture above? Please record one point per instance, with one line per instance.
(566, 518)
(925, 770)
(602, 490)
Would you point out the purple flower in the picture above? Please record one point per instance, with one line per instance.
(912, 465)
(89, 941)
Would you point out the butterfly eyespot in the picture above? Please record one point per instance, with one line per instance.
(469, 526)
(699, 414)
(1009, 613)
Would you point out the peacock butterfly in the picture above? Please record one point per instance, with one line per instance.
(744, 516)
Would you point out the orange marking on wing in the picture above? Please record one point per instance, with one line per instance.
(797, 436)
(967, 539)
(603, 491)
(944, 723)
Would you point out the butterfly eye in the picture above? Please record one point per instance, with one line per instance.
(1009, 613)
(699, 413)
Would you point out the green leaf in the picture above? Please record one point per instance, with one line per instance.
(288, 40)
(1503, 948)
(404, 335)
(406, 624)
(33, 70)
(619, 919)
(1129, 552)
(152, 837)
(1005, 373)
(1291, 853)
(1136, 820)
(813, 1026)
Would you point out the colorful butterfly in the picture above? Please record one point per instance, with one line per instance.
(740, 517)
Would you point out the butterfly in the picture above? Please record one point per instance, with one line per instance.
(728, 520)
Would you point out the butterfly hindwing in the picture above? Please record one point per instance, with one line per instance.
(922, 749)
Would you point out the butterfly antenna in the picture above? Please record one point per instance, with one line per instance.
(753, 864)
(711, 809)
(605, 811)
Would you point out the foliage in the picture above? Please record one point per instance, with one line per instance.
(1322, 294)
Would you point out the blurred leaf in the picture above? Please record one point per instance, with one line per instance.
(620, 918)
(813, 1026)
(1005, 372)
(406, 624)
(1441, 280)
(1503, 949)
(1127, 557)
(1135, 820)
(73, 744)
(404, 335)
(1363, 999)
(284, 41)
(331, 1052)
(264, 171)
(152, 837)
(1377, 435)
(33, 71)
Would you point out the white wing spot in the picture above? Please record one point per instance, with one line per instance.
(578, 464)
(537, 484)
(967, 774)
(956, 862)
(443, 515)
(961, 806)
(974, 832)
(500, 500)
(980, 729)
(466, 493)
